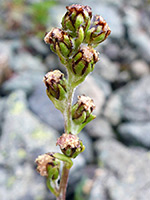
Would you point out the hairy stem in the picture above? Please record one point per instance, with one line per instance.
(67, 112)
(63, 183)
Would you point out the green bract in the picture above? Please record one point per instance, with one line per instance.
(84, 60)
(56, 84)
(76, 16)
(98, 32)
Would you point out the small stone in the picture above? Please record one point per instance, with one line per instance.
(125, 180)
(107, 69)
(139, 68)
(100, 128)
(113, 109)
(135, 133)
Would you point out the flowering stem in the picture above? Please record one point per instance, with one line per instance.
(63, 183)
(67, 112)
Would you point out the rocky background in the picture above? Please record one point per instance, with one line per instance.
(116, 162)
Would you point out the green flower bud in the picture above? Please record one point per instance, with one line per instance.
(84, 61)
(83, 109)
(98, 32)
(70, 145)
(48, 165)
(60, 43)
(75, 17)
(56, 84)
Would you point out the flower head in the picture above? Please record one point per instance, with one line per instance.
(98, 32)
(84, 60)
(76, 16)
(45, 160)
(70, 144)
(56, 84)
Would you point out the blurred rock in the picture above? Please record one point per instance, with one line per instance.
(130, 102)
(135, 99)
(5, 71)
(37, 45)
(91, 89)
(23, 61)
(123, 77)
(139, 68)
(41, 105)
(137, 36)
(112, 50)
(103, 84)
(23, 138)
(108, 70)
(99, 190)
(131, 175)
(135, 133)
(31, 186)
(100, 128)
(22, 131)
(26, 81)
(113, 109)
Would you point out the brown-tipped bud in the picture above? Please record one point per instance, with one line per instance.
(56, 84)
(98, 32)
(84, 60)
(47, 160)
(83, 109)
(60, 42)
(70, 145)
(75, 17)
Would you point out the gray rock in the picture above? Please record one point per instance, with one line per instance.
(113, 109)
(91, 89)
(23, 138)
(99, 190)
(99, 128)
(26, 81)
(131, 102)
(103, 84)
(139, 68)
(130, 177)
(135, 99)
(37, 45)
(112, 50)
(135, 133)
(137, 36)
(42, 106)
(23, 132)
(108, 70)
(24, 61)
(25, 178)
